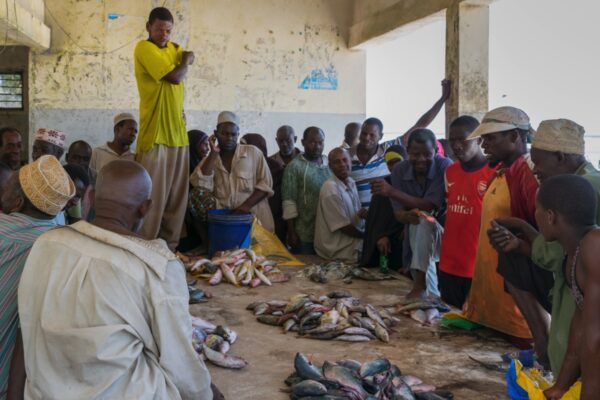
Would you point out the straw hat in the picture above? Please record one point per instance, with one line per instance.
(561, 135)
(46, 184)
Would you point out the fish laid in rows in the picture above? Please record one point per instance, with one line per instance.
(337, 316)
(335, 270)
(241, 267)
(213, 343)
(349, 379)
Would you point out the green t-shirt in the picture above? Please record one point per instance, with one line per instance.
(550, 256)
(302, 181)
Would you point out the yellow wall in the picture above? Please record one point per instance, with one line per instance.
(251, 57)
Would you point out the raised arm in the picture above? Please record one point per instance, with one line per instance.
(429, 116)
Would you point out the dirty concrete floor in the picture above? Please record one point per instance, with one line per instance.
(438, 356)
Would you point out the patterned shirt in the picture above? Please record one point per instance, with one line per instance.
(375, 168)
(17, 234)
(302, 181)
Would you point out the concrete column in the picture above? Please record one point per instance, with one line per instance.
(467, 58)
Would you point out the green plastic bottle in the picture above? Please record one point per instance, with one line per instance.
(383, 264)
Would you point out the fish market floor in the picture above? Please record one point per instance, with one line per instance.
(438, 356)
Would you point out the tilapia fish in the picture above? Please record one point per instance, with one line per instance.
(336, 316)
(349, 379)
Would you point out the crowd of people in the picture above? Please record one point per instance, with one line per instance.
(505, 231)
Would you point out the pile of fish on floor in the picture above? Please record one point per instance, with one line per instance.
(335, 270)
(426, 311)
(213, 342)
(349, 379)
(337, 316)
(241, 267)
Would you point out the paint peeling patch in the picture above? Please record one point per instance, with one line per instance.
(319, 79)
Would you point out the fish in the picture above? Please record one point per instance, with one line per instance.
(353, 338)
(228, 274)
(261, 309)
(432, 315)
(214, 341)
(296, 302)
(323, 328)
(368, 323)
(287, 325)
(374, 315)
(255, 282)
(292, 379)
(225, 346)
(411, 380)
(368, 275)
(198, 322)
(382, 333)
(359, 331)
(329, 335)
(330, 317)
(268, 319)
(374, 367)
(277, 303)
(402, 392)
(419, 315)
(262, 277)
(345, 377)
(279, 277)
(308, 317)
(309, 387)
(216, 278)
(352, 365)
(254, 304)
(223, 360)
(287, 317)
(339, 294)
(305, 369)
(226, 333)
(422, 388)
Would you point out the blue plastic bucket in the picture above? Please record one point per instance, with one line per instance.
(228, 231)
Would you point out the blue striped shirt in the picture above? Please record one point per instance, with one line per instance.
(375, 168)
(17, 234)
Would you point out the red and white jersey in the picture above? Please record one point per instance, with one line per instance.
(464, 194)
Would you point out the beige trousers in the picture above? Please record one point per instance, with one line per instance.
(169, 169)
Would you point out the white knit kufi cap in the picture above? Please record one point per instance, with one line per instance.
(46, 184)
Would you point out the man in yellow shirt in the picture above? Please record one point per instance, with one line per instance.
(162, 146)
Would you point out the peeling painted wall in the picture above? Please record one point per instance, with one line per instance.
(252, 57)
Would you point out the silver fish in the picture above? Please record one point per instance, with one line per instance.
(223, 360)
(309, 387)
(374, 367)
(305, 369)
(353, 338)
(381, 333)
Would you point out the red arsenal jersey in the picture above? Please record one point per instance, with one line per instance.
(465, 192)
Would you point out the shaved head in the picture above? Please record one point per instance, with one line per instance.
(333, 153)
(123, 183)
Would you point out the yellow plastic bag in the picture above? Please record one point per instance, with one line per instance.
(532, 381)
(267, 244)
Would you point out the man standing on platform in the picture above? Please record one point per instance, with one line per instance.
(162, 146)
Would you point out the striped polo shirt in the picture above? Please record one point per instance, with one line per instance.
(375, 168)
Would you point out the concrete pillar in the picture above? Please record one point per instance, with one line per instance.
(467, 58)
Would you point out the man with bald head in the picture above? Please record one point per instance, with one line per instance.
(117, 324)
(339, 229)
